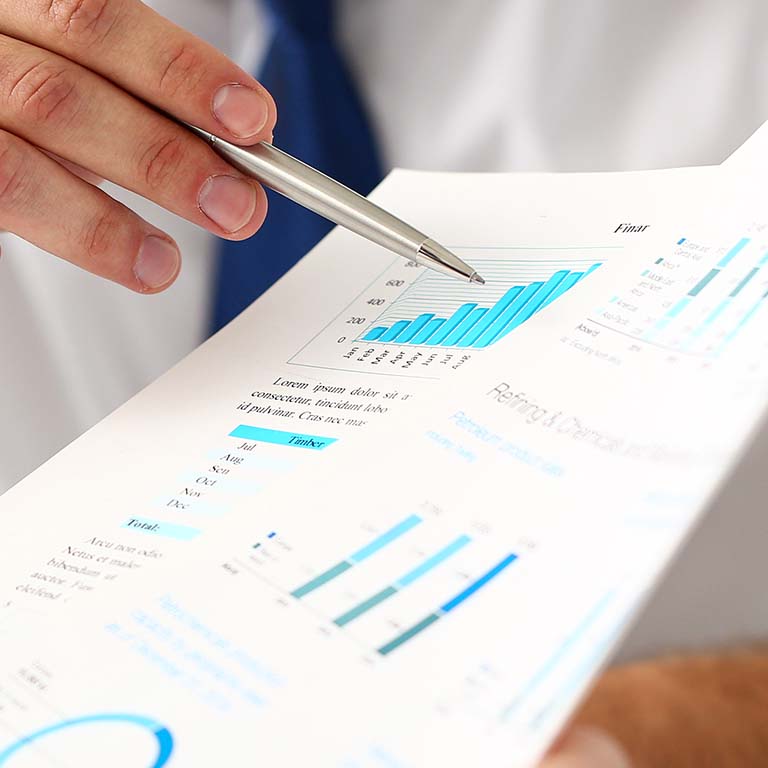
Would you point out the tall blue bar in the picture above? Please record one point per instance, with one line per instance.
(506, 316)
(452, 323)
(479, 329)
(375, 333)
(566, 285)
(395, 330)
(464, 326)
(422, 337)
(736, 248)
(537, 302)
(414, 328)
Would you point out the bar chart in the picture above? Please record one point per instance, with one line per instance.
(695, 301)
(468, 318)
(393, 583)
(411, 318)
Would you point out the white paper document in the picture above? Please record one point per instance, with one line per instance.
(385, 519)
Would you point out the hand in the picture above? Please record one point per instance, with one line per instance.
(78, 80)
(585, 747)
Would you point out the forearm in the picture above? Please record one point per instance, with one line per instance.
(687, 711)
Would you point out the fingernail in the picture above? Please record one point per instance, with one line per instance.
(157, 262)
(241, 110)
(228, 202)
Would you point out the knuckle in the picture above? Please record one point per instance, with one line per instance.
(99, 237)
(181, 70)
(45, 92)
(85, 22)
(12, 173)
(161, 161)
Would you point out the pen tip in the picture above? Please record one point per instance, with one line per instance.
(475, 278)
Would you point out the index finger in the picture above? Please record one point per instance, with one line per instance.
(150, 57)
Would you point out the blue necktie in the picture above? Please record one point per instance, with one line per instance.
(321, 120)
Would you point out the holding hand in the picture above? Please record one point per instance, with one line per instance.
(585, 747)
(79, 80)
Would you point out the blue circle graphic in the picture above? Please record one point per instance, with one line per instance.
(161, 733)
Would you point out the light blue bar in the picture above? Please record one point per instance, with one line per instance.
(431, 327)
(395, 330)
(277, 437)
(566, 285)
(736, 248)
(508, 315)
(487, 321)
(452, 323)
(737, 290)
(465, 326)
(679, 307)
(158, 528)
(537, 302)
(717, 311)
(375, 333)
(763, 261)
(432, 562)
(386, 538)
(414, 328)
(681, 241)
(475, 585)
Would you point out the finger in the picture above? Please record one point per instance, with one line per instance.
(70, 111)
(147, 55)
(78, 170)
(41, 202)
(585, 747)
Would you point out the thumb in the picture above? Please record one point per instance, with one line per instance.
(585, 747)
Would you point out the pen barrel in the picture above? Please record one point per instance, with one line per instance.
(321, 194)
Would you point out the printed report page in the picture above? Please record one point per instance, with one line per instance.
(348, 338)
(442, 592)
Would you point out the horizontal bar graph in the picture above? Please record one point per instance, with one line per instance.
(447, 607)
(472, 325)
(409, 578)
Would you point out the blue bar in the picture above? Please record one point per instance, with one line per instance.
(276, 437)
(509, 313)
(737, 289)
(763, 261)
(699, 287)
(679, 307)
(414, 328)
(465, 326)
(452, 323)
(681, 241)
(364, 607)
(715, 313)
(491, 316)
(432, 562)
(423, 336)
(537, 302)
(408, 634)
(659, 260)
(321, 579)
(159, 528)
(566, 285)
(386, 538)
(395, 330)
(736, 248)
(475, 585)
(374, 333)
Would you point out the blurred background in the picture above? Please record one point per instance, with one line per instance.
(454, 85)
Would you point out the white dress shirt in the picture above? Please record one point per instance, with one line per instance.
(497, 85)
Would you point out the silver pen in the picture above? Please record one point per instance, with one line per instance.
(314, 190)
